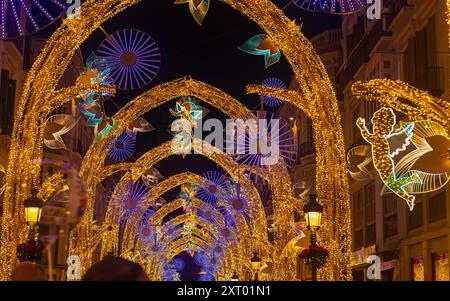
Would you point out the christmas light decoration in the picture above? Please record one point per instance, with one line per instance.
(215, 185)
(198, 8)
(40, 98)
(56, 126)
(133, 57)
(331, 6)
(37, 15)
(273, 83)
(262, 44)
(123, 148)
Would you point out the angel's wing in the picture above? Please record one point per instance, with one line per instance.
(400, 140)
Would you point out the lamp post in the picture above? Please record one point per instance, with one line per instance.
(256, 264)
(313, 215)
(33, 208)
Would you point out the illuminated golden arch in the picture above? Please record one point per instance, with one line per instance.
(315, 89)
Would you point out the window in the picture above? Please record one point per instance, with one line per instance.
(358, 214)
(417, 270)
(359, 239)
(369, 196)
(390, 203)
(436, 207)
(371, 234)
(390, 226)
(415, 217)
(440, 267)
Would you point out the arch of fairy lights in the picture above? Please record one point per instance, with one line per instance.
(242, 249)
(318, 100)
(93, 172)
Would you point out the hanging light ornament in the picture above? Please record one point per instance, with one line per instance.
(331, 6)
(198, 8)
(262, 44)
(273, 82)
(215, 185)
(55, 127)
(37, 13)
(123, 148)
(261, 144)
(133, 56)
(126, 203)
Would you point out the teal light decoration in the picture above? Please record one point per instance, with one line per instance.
(262, 44)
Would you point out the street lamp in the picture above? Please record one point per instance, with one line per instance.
(313, 215)
(256, 264)
(33, 208)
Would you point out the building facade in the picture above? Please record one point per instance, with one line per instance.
(409, 43)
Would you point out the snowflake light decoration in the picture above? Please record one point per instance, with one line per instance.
(208, 212)
(126, 203)
(133, 56)
(38, 13)
(237, 204)
(273, 82)
(216, 183)
(123, 148)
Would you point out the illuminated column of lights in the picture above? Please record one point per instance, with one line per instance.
(448, 20)
(419, 105)
(43, 77)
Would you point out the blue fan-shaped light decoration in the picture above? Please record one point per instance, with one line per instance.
(178, 263)
(237, 203)
(208, 212)
(126, 203)
(331, 6)
(215, 184)
(200, 259)
(248, 145)
(123, 148)
(37, 14)
(273, 82)
(133, 56)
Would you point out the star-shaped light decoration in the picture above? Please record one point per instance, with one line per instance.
(198, 8)
(55, 127)
(262, 44)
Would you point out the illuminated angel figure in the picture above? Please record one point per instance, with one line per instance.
(198, 8)
(55, 127)
(215, 185)
(385, 147)
(123, 148)
(189, 112)
(262, 44)
(126, 203)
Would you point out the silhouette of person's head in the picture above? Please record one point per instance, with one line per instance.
(115, 269)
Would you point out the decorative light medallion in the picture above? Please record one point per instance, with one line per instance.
(261, 145)
(123, 148)
(198, 8)
(55, 127)
(178, 263)
(37, 14)
(126, 203)
(237, 204)
(262, 44)
(273, 82)
(133, 56)
(331, 6)
(215, 185)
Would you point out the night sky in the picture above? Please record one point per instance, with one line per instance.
(208, 53)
